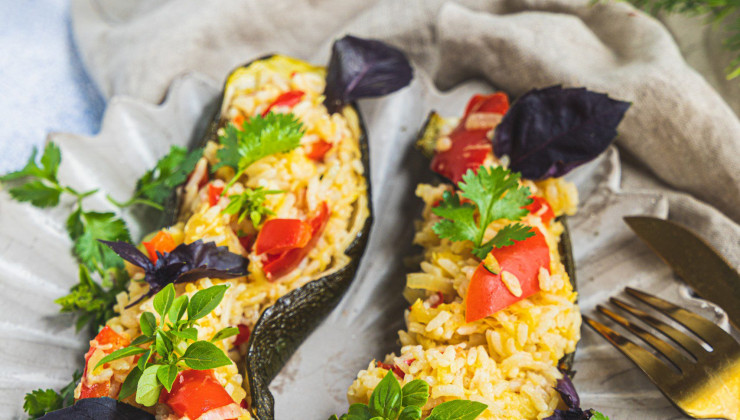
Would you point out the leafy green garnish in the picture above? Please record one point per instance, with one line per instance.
(41, 401)
(258, 137)
(157, 184)
(171, 346)
(250, 203)
(496, 194)
(595, 415)
(92, 303)
(42, 187)
(714, 11)
(391, 402)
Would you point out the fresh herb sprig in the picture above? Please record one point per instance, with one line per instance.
(257, 138)
(156, 185)
(166, 348)
(715, 11)
(41, 401)
(391, 402)
(495, 194)
(92, 303)
(250, 203)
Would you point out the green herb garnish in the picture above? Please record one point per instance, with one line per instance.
(169, 347)
(496, 194)
(391, 402)
(250, 203)
(156, 185)
(258, 137)
(92, 303)
(41, 401)
(595, 415)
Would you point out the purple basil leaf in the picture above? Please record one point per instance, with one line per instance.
(99, 409)
(570, 414)
(130, 253)
(568, 392)
(363, 68)
(548, 132)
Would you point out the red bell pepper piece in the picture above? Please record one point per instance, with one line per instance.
(538, 203)
(195, 392)
(238, 121)
(105, 337)
(469, 148)
(487, 294)
(214, 194)
(280, 235)
(246, 242)
(243, 335)
(394, 368)
(279, 265)
(318, 149)
(286, 99)
(161, 242)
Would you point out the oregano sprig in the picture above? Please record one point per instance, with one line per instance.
(391, 402)
(171, 345)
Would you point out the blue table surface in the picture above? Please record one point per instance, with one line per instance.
(43, 84)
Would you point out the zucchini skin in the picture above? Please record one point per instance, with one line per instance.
(285, 325)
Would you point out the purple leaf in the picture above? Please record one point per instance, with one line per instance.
(186, 263)
(363, 68)
(548, 132)
(99, 409)
(570, 414)
(568, 392)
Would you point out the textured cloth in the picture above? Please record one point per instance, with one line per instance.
(680, 141)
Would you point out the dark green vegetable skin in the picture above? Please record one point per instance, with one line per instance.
(285, 325)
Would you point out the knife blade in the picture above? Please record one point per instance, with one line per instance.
(693, 260)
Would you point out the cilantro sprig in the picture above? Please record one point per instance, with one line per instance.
(166, 348)
(495, 194)
(156, 185)
(391, 402)
(257, 138)
(250, 203)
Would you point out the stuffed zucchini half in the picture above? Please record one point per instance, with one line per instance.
(493, 316)
(271, 225)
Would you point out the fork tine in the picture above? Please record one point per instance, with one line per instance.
(709, 332)
(687, 343)
(678, 359)
(656, 370)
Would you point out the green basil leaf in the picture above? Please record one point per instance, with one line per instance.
(148, 324)
(163, 300)
(120, 354)
(205, 301)
(129, 385)
(225, 333)
(179, 306)
(358, 412)
(457, 410)
(187, 334)
(141, 340)
(410, 413)
(163, 345)
(148, 390)
(203, 355)
(415, 393)
(144, 360)
(385, 400)
(167, 375)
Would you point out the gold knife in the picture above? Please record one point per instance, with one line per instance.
(693, 260)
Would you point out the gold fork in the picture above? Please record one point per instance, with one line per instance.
(706, 387)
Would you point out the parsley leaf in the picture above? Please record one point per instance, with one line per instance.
(496, 193)
(250, 203)
(92, 304)
(595, 415)
(157, 184)
(41, 401)
(42, 189)
(95, 226)
(258, 137)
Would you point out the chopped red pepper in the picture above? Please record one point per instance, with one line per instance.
(246, 242)
(538, 203)
(243, 335)
(318, 149)
(469, 148)
(214, 194)
(281, 235)
(488, 294)
(195, 392)
(238, 121)
(105, 337)
(290, 98)
(440, 300)
(397, 370)
(161, 242)
(279, 265)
